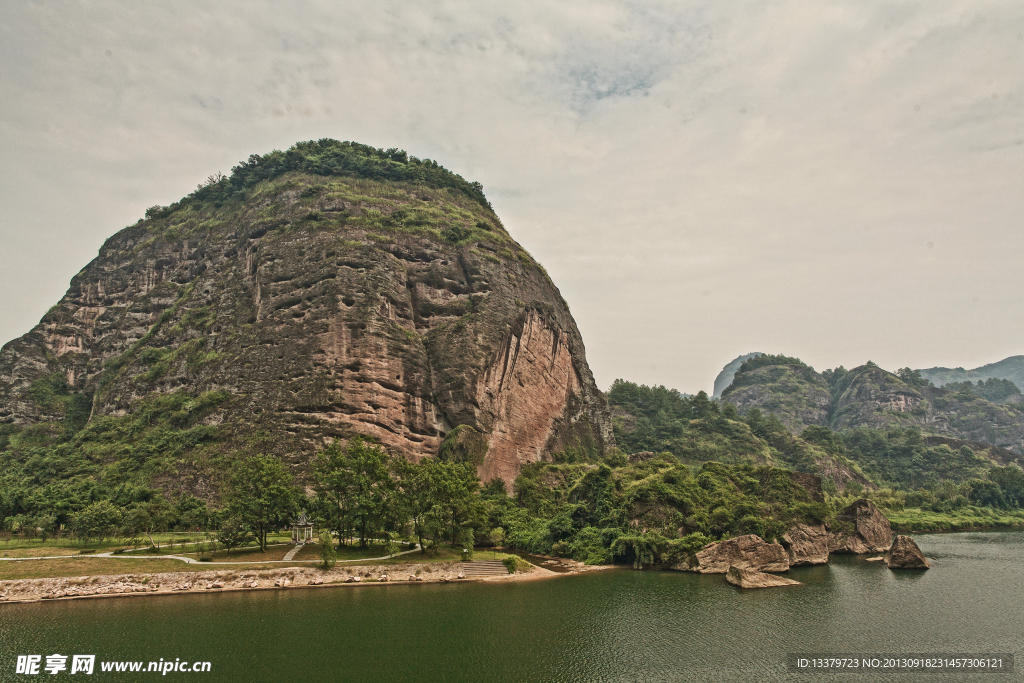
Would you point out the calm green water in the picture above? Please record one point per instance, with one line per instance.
(617, 625)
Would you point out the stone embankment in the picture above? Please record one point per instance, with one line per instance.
(34, 590)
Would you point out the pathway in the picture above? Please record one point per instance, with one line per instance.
(191, 560)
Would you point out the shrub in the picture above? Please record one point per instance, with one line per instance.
(516, 564)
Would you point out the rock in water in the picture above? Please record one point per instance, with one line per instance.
(745, 577)
(904, 554)
(861, 528)
(750, 551)
(806, 544)
(328, 291)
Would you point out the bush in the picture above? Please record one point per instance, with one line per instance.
(516, 564)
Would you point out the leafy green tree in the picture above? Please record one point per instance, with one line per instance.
(453, 490)
(1011, 481)
(415, 496)
(497, 537)
(263, 495)
(99, 520)
(913, 377)
(355, 481)
(233, 533)
(328, 555)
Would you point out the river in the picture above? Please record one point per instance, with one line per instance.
(616, 625)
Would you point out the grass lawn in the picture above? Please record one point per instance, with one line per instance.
(966, 519)
(46, 551)
(84, 566)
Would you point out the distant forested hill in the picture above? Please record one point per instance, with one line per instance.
(1011, 369)
(870, 449)
(869, 396)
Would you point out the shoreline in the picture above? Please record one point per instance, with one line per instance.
(23, 591)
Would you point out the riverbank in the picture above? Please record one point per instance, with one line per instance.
(191, 582)
(966, 519)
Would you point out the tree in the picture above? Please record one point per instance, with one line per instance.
(356, 482)
(453, 487)
(328, 555)
(414, 493)
(233, 533)
(99, 520)
(497, 536)
(263, 495)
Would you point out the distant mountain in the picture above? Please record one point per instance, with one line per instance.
(724, 378)
(868, 396)
(785, 387)
(1011, 368)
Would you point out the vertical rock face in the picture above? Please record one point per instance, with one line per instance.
(531, 355)
(806, 544)
(323, 306)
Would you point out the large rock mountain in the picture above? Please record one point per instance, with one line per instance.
(783, 386)
(327, 291)
(725, 377)
(868, 396)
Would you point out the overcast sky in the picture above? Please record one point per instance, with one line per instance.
(840, 181)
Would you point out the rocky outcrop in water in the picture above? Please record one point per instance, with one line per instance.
(904, 554)
(861, 528)
(745, 577)
(750, 551)
(806, 544)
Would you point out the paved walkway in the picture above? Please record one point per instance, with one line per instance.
(191, 560)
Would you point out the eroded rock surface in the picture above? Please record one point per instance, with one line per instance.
(806, 544)
(322, 307)
(745, 577)
(904, 554)
(861, 528)
(750, 551)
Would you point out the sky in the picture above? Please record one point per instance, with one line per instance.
(837, 181)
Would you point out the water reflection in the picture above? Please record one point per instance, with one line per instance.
(618, 625)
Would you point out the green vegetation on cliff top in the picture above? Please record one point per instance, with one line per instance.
(327, 157)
